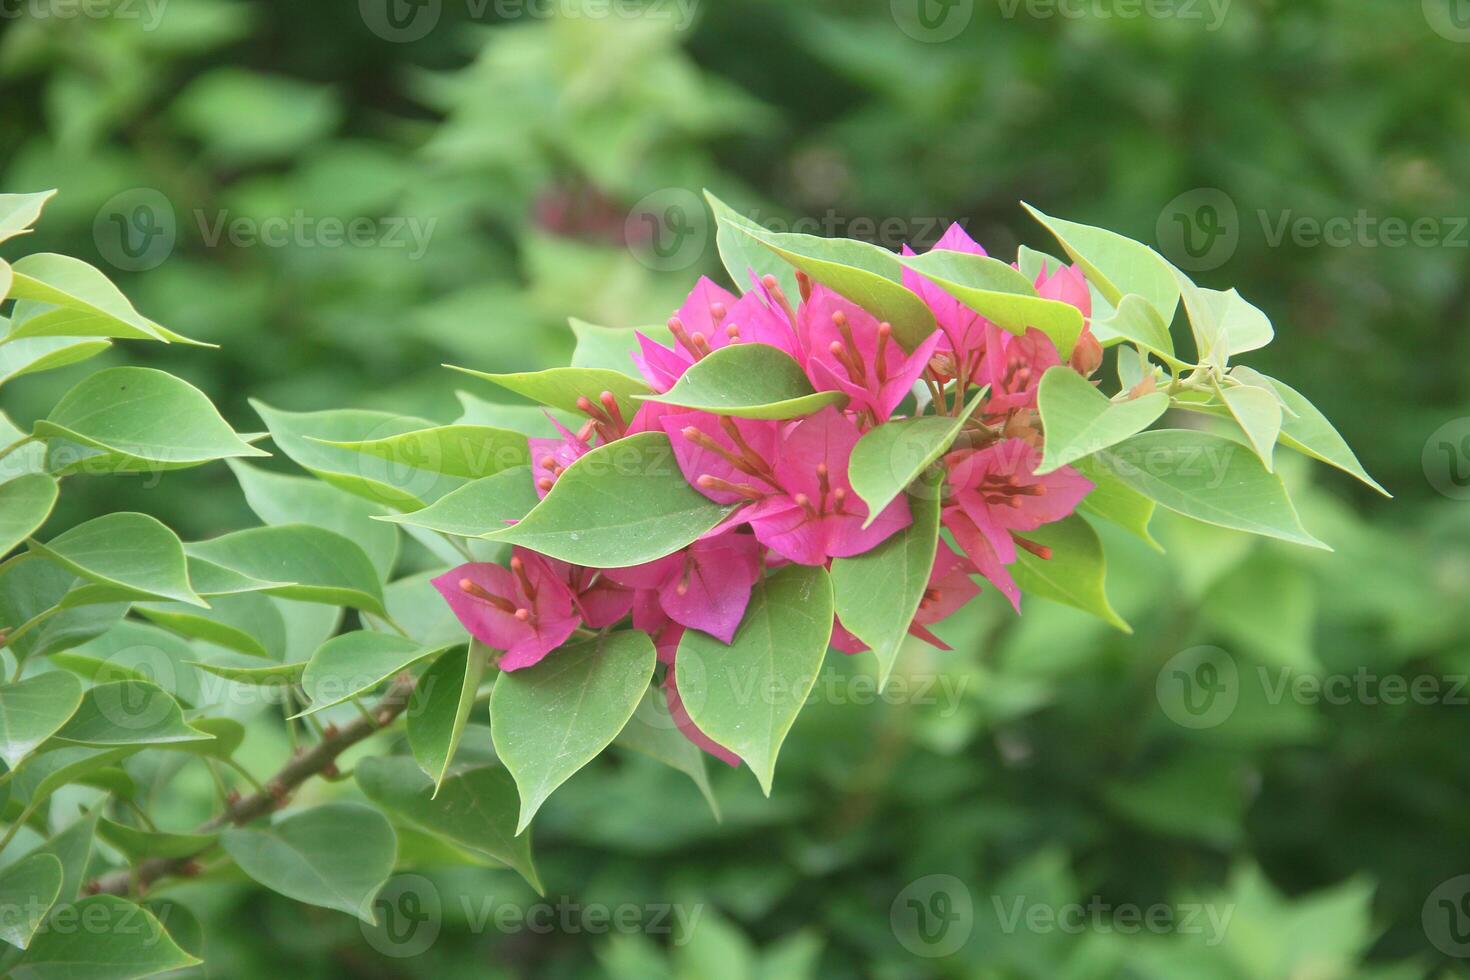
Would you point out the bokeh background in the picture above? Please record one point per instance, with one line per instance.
(345, 195)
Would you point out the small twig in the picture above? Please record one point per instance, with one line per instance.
(317, 759)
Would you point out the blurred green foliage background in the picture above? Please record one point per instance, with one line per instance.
(516, 163)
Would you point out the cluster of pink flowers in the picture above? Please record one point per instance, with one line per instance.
(788, 480)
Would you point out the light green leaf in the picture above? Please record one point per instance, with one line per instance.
(44, 774)
(32, 710)
(319, 565)
(1079, 420)
(135, 651)
(748, 381)
(1074, 574)
(356, 663)
(139, 420)
(280, 676)
(622, 504)
(552, 719)
(610, 347)
(441, 705)
(1222, 322)
(1116, 265)
(867, 275)
(891, 456)
(280, 499)
(1114, 501)
(741, 253)
(72, 846)
(86, 304)
(25, 503)
(33, 355)
(131, 554)
(28, 889)
(18, 212)
(119, 941)
(877, 593)
(336, 856)
(561, 387)
(1305, 429)
(32, 588)
(140, 845)
(999, 293)
(474, 808)
(468, 451)
(1209, 478)
(1258, 413)
(746, 696)
(300, 436)
(124, 713)
(529, 419)
(478, 508)
(249, 623)
(1136, 321)
(652, 732)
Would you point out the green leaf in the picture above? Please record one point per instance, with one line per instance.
(610, 347)
(478, 508)
(135, 651)
(867, 275)
(306, 436)
(34, 587)
(36, 354)
(416, 608)
(1305, 429)
(319, 566)
(86, 304)
(279, 676)
(891, 456)
(1136, 321)
(73, 848)
(18, 212)
(999, 293)
(746, 696)
(1079, 420)
(468, 451)
(1222, 322)
(622, 504)
(44, 774)
(139, 420)
(652, 732)
(140, 845)
(101, 938)
(552, 719)
(562, 387)
(748, 381)
(336, 856)
(25, 503)
(1116, 265)
(877, 593)
(277, 498)
(28, 889)
(1258, 413)
(131, 554)
(32, 710)
(130, 712)
(1116, 502)
(248, 623)
(528, 419)
(474, 808)
(440, 707)
(356, 663)
(741, 252)
(1209, 478)
(1074, 574)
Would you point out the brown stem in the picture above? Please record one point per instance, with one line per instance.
(312, 762)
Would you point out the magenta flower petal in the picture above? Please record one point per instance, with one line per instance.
(731, 452)
(526, 610)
